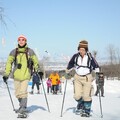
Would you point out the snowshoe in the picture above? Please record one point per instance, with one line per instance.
(22, 115)
(78, 111)
(85, 114)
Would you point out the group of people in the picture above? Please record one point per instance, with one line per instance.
(53, 83)
(82, 61)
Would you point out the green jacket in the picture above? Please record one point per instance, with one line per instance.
(24, 73)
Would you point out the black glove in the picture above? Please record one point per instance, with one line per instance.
(40, 74)
(5, 78)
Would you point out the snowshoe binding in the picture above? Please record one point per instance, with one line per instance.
(22, 115)
(19, 111)
(85, 114)
(78, 111)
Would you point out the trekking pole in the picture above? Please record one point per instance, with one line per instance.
(63, 98)
(44, 93)
(99, 98)
(10, 96)
(100, 101)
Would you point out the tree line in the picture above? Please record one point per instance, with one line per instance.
(111, 68)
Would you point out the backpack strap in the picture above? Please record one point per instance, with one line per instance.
(88, 62)
(17, 52)
(89, 59)
(89, 55)
(26, 52)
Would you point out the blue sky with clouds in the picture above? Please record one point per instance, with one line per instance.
(58, 25)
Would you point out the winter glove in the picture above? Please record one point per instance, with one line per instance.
(39, 83)
(67, 76)
(67, 71)
(40, 74)
(5, 78)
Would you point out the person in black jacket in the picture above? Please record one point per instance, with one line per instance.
(100, 84)
(35, 81)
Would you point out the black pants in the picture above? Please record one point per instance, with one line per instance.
(37, 85)
(101, 89)
(54, 89)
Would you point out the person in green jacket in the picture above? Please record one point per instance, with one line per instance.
(24, 59)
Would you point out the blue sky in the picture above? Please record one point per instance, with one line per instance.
(58, 25)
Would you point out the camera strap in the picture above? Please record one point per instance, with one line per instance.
(17, 52)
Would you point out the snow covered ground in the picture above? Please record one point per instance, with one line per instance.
(39, 110)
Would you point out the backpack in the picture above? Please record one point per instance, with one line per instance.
(88, 62)
(29, 60)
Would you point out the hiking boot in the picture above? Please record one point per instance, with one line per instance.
(79, 108)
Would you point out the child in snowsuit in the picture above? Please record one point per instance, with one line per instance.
(35, 81)
(48, 82)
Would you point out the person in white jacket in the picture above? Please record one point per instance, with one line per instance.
(84, 64)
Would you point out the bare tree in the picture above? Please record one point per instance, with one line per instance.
(95, 53)
(113, 68)
(2, 16)
(118, 55)
(111, 54)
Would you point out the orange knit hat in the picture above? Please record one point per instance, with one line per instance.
(22, 36)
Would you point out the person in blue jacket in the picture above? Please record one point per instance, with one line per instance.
(35, 81)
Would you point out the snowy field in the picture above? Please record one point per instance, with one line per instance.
(39, 110)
